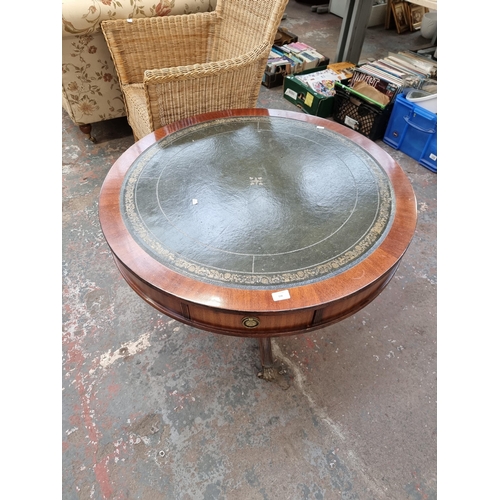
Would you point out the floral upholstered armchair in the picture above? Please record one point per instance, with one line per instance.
(90, 88)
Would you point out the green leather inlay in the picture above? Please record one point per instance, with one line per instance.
(257, 201)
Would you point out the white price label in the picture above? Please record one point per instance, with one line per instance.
(351, 122)
(283, 295)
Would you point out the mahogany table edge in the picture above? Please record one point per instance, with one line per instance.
(179, 296)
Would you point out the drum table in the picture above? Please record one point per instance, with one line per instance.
(257, 223)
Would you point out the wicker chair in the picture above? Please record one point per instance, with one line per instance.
(175, 67)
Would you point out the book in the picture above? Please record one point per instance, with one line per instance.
(310, 60)
(280, 66)
(392, 70)
(423, 63)
(293, 58)
(376, 80)
(321, 58)
(343, 69)
(299, 46)
(280, 61)
(351, 91)
(371, 92)
(408, 65)
(382, 73)
(410, 73)
(297, 64)
(322, 82)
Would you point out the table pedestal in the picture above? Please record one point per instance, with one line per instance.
(267, 360)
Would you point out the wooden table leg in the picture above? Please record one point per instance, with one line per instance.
(269, 371)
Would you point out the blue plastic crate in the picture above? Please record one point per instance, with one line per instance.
(413, 130)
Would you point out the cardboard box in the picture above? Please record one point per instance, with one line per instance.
(304, 97)
(283, 61)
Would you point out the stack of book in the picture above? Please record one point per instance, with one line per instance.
(414, 64)
(391, 74)
(323, 81)
(294, 58)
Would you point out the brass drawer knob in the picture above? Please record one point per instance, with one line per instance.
(250, 322)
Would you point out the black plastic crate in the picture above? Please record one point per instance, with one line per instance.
(284, 36)
(359, 113)
(271, 80)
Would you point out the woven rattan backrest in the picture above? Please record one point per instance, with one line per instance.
(158, 42)
(244, 25)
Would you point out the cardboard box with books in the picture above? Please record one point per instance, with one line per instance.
(313, 90)
(289, 59)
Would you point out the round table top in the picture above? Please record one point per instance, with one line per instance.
(258, 202)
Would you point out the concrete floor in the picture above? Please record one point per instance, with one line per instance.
(181, 414)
